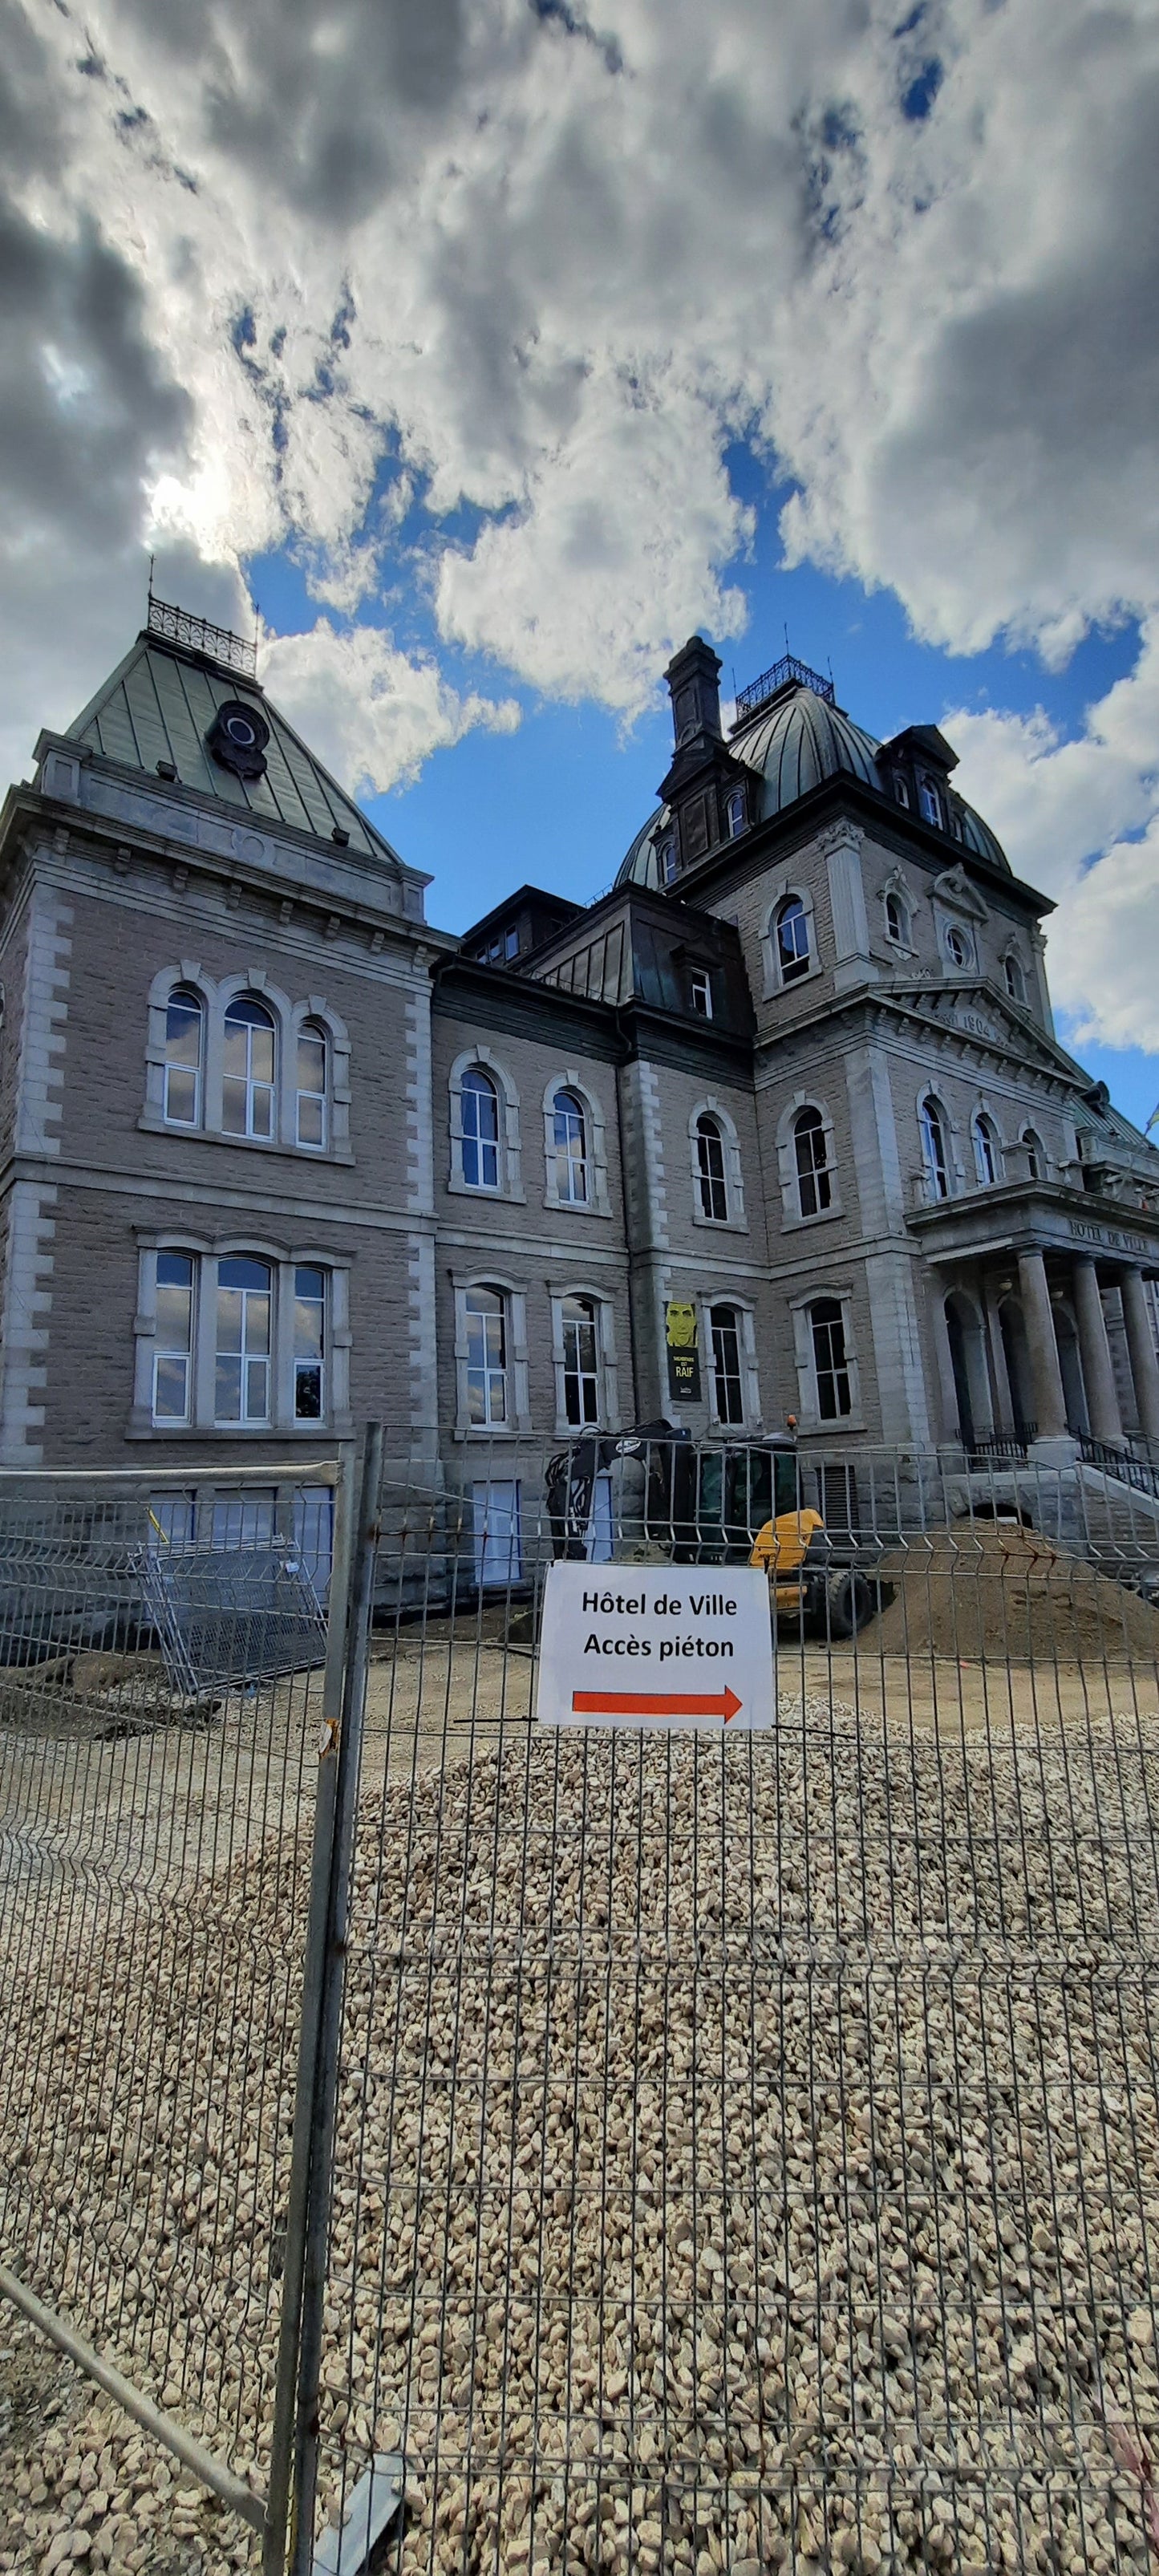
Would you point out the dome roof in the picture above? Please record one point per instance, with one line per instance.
(796, 743)
(642, 864)
(792, 744)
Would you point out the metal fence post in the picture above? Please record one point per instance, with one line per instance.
(289, 2337)
(294, 2465)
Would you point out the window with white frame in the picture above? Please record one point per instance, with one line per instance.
(933, 1130)
(897, 918)
(811, 1156)
(244, 1341)
(831, 1372)
(248, 1069)
(579, 1333)
(1035, 1154)
(712, 1184)
(734, 812)
(930, 803)
(479, 1100)
(900, 789)
(488, 1402)
(310, 1107)
(987, 1150)
(1015, 979)
(173, 1349)
(570, 1149)
(240, 1341)
(666, 859)
(184, 1057)
(700, 991)
(792, 940)
(727, 1382)
(958, 948)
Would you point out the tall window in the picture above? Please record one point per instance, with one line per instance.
(667, 860)
(710, 1169)
(1035, 1154)
(900, 789)
(897, 918)
(570, 1147)
(184, 1053)
(792, 940)
(734, 813)
(930, 803)
(309, 1343)
(581, 1372)
(480, 1125)
(173, 1353)
(986, 1151)
(934, 1149)
(244, 1319)
(726, 1377)
(1015, 980)
(830, 1363)
(700, 991)
(814, 1178)
(311, 1105)
(486, 1357)
(247, 1090)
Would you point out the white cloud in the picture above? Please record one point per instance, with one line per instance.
(370, 714)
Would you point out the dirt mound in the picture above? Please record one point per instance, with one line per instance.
(981, 1591)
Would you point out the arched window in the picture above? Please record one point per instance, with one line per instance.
(933, 1127)
(1035, 1155)
(1015, 979)
(987, 1151)
(930, 803)
(247, 1090)
(184, 1057)
(957, 947)
(897, 922)
(710, 1169)
(243, 1341)
(311, 1100)
(792, 940)
(581, 1366)
(830, 1360)
(666, 859)
(173, 1349)
(486, 1314)
(734, 813)
(726, 1375)
(570, 1147)
(811, 1149)
(480, 1122)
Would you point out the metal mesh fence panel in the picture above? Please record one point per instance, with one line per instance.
(747, 2149)
(161, 1652)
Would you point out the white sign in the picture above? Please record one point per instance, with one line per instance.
(656, 1646)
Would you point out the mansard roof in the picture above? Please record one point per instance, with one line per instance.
(155, 711)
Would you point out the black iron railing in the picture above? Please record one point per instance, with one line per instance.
(788, 668)
(1125, 1463)
(179, 627)
(1010, 1445)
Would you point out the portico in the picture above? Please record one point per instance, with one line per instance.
(1025, 1277)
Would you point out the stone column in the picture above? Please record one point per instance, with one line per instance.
(1141, 1345)
(1095, 1353)
(1046, 1375)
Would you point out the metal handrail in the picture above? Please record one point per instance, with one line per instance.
(788, 668)
(178, 626)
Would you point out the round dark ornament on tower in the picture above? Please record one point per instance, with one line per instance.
(237, 738)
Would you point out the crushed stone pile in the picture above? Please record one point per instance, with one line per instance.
(747, 2152)
(989, 1590)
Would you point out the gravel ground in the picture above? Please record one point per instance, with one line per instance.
(748, 2155)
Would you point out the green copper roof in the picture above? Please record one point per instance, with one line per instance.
(159, 705)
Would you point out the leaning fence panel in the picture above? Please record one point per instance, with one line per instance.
(748, 2147)
(161, 1652)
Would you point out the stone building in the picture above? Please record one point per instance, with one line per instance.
(778, 1127)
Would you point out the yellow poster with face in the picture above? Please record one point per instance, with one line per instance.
(683, 1353)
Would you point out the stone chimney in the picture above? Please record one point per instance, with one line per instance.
(693, 677)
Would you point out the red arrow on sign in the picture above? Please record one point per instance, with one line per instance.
(615, 1703)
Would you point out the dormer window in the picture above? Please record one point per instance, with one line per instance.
(900, 789)
(734, 813)
(957, 947)
(511, 944)
(667, 859)
(930, 803)
(700, 991)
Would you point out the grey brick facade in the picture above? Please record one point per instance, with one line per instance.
(833, 1155)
